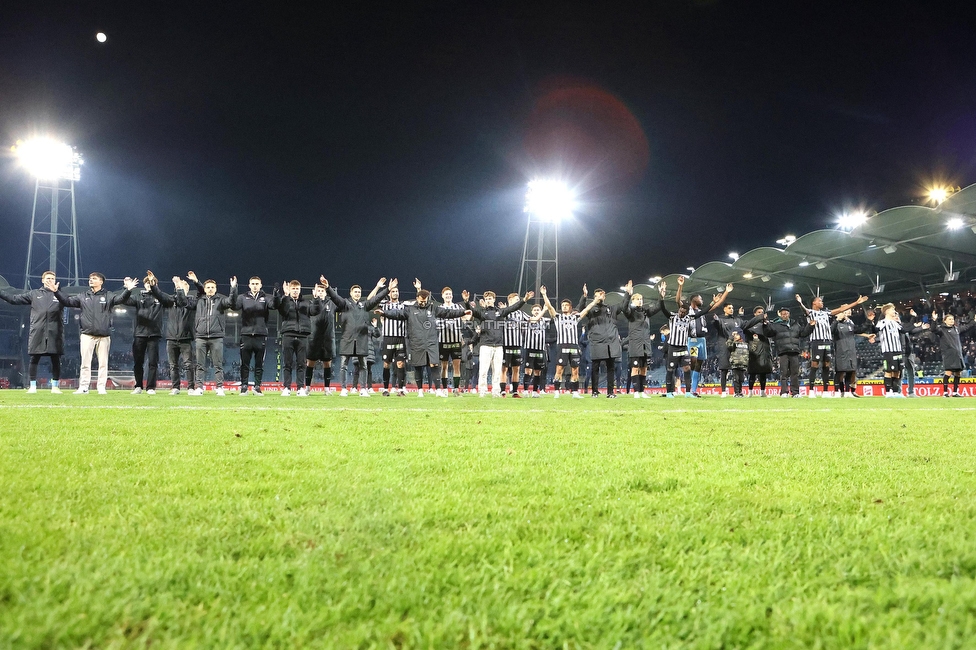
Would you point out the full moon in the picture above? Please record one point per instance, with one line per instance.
(101, 37)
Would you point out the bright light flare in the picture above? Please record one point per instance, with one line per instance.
(101, 37)
(734, 256)
(549, 200)
(938, 194)
(49, 160)
(851, 220)
(955, 223)
(788, 285)
(786, 241)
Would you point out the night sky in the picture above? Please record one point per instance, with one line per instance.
(399, 141)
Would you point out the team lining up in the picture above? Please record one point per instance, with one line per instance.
(433, 338)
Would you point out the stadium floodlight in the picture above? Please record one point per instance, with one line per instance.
(49, 160)
(851, 220)
(788, 285)
(734, 256)
(938, 195)
(786, 241)
(690, 269)
(655, 279)
(747, 275)
(804, 263)
(549, 200)
(955, 223)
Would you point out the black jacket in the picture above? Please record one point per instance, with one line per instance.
(639, 327)
(96, 309)
(179, 316)
(210, 321)
(493, 321)
(295, 314)
(723, 326)
(845, 344)
(254, 313)
(46, 319)
(322, 336)
(354, 319)
(787, 334)
(951, 345)
(149, 315)
(602, 332)
(421, 325)
(760, 353)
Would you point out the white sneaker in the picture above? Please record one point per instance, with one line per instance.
(136, 390)
(244, 391)
(371, 391)
(102, 391)
(784, 395)
(81, 391)
(55, 390)
(556, 394)
(812, 394)
(577, 395)
(363, 392)
(303, 392)
(344, 393)
(32, 390)
(175, 391)
(420, 392)
(219, 392)
(724, 395)
(150, 392)
(286, 392)
(637, 395)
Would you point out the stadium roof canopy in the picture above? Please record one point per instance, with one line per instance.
(898, 253)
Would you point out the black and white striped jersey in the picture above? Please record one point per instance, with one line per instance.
(699, 322)
(515, 329)
(821, 326)
(535, 334)
(680, 330)
(889, 335)
(449, 329)
(567, 328)
(393, 328)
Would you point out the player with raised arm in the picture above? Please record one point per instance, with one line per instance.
(96, 306)
(254, 307)
(492, 321)
(450, 336)
(566, 322)
(179, 332)
(953, 359)
(208, 329)
(536, 327)
(639, 342)
(888, 331)
(821, 340)
(148, 329)
(354, 314)
(296, 324)
(321, 340)
(697, 335)
(420, 318)
(394, 352)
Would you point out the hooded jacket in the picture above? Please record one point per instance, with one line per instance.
(46, 319)
(149, 315)
(96, 309)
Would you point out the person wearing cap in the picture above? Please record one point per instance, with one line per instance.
(787, 333)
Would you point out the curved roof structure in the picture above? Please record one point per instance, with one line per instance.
(898, 253)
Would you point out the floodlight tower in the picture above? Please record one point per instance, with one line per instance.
(53, 244)
(546, 204)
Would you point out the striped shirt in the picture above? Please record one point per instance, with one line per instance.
(699, 322)
(515, 329)
(449, 329)
(393, 328)
(821, 327)
(889, 333)
(535, 334)
(567, 329)
(680, 327)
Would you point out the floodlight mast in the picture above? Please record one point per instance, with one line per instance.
(547, 203)
(55, 167)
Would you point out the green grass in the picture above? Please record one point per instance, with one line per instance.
(479, 523)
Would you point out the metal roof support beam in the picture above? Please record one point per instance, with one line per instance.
(913, 245)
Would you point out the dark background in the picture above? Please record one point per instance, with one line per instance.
(374, 141)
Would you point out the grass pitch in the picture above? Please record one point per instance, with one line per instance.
(137, 521)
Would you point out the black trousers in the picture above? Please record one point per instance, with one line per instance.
(216, 349)
(145, 348)
(611, 366)
(253, 348)
(738, 375)
(789, 374)
(181, 359)
(55, 366)
(294, 347)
